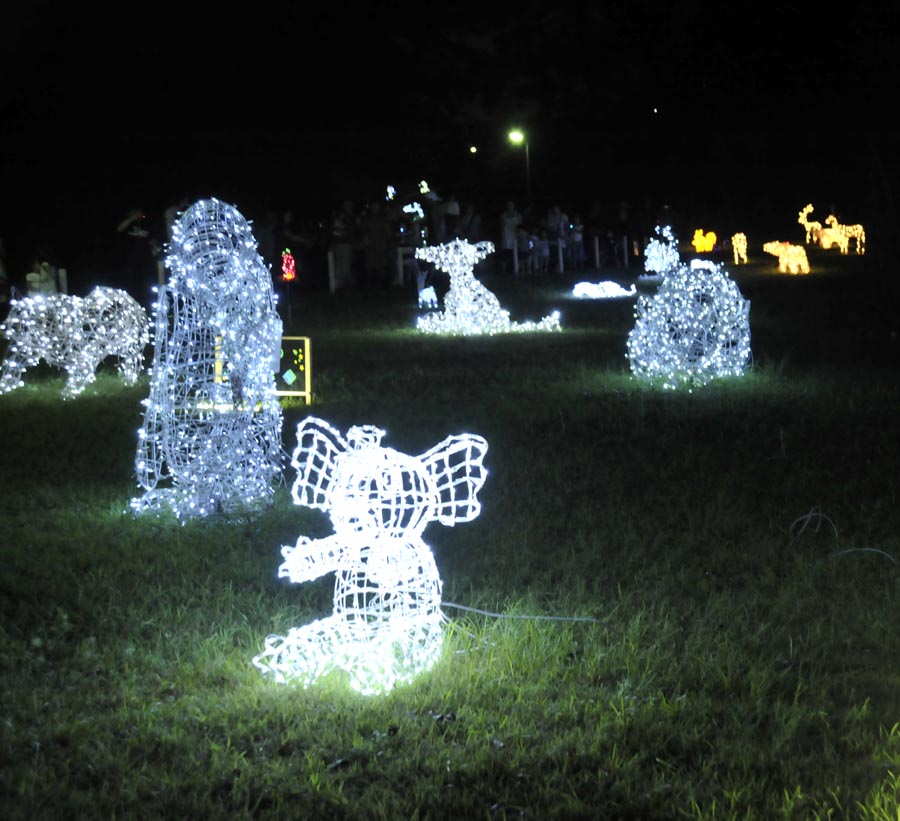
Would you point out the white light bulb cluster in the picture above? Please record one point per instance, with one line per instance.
(792, 259)
(695, 329)
(211, 437)
(469, 307)
(661, 254)
(386, 624)
(602, 290)
(75, 334)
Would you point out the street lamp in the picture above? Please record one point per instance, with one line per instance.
(517, 137)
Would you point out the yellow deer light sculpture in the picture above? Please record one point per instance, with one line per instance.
(854, 232)
(813, 228)
(704, 242)
(791, 258)
(833, 236)
(739, 246)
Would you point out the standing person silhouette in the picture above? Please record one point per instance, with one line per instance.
(510, 220)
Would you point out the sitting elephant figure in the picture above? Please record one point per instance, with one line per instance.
(76, 334)
(386, 626)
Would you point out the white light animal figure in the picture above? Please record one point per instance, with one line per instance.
(694, 329)
(76, 334)
(792, 259)
(469, 307)
(661, 255)
(211, 437)
(602, 290)
(428, 297)
(386, 626)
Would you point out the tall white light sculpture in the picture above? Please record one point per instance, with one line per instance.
(695, 329)
(469, 307)
(386, 625)
(76, 334)
(661, 255)
(211, 437)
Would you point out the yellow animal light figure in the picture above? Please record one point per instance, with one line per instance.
(813, 228)
(791, 258)
(704, 242)
(854, 232)
(833, 236)
(739, 246)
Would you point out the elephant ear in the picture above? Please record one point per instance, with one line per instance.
(318, 447)
(456, 466)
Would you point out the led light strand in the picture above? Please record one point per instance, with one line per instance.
(386, 624)
(211, 437)
(75, 334)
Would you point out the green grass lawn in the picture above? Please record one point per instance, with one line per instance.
(672, 605)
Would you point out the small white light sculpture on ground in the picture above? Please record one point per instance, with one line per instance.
(211, 438)
(428, 297)
(694, 329)
(76, 334)
(386, 626)
(469, 307)
(603, 290)
(792, 259)
(661, 255)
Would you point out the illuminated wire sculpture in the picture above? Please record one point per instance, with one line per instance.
(386, 624)
(855, 232)
(661, 254)
(75, 334)
(694, 329)
(469, 307)
(211, 435)
(602, 290)
(813, 227)
(792, 259)
(428, 297)
(739, 248)
(704, 242)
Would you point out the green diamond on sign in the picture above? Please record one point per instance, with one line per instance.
(289, 376)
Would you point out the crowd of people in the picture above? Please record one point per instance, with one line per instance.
(370, 243)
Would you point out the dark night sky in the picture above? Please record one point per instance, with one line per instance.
(289, 105)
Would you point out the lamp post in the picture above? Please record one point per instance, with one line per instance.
(518, 137)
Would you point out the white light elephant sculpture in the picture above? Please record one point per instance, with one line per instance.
(75, 334)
